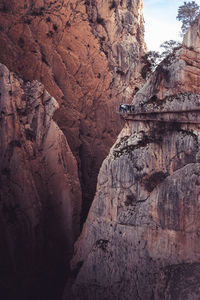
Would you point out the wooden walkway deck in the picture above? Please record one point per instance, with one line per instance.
(184, 116)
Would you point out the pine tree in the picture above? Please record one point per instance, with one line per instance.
(168, 47)
(187, 13)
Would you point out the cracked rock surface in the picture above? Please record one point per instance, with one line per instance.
(177, 73)
(141, 238)
(86, 53)
(40, 196)
(144, 219)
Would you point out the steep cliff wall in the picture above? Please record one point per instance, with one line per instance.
(141, 238)
(179, 72)
(40, 198)
(86, 54)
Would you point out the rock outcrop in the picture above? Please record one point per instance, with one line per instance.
(179, 72)
(86, 54)
(141, 238)
(40, 194)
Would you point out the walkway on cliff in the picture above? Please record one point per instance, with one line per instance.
(129, 113)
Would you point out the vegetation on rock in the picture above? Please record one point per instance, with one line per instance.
(187, 13)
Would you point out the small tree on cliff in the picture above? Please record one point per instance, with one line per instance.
(168, 47)
(187, 13)
(150, 60)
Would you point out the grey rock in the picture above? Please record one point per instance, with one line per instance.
(141, 237)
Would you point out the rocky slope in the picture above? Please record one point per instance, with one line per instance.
(86, 54)
(141, 238)
(40, 198)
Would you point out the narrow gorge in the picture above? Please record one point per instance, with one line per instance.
(87, 55)
(65, 65)
(133, 232)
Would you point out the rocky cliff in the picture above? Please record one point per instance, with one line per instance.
(40, 195)
(141, 238)
(86, 54)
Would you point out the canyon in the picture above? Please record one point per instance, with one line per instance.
(64, 67)
(141, 237)
(87, 55)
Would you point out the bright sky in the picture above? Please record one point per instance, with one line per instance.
(160, 21)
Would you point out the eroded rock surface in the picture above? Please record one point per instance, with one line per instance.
(141, 238)
(81, 52)
(40, 195)
(86, 54)
(179, 72)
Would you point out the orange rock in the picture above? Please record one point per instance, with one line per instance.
(86, 54)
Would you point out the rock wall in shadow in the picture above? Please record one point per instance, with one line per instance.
(40, 194)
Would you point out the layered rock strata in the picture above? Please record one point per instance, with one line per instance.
(40, 198)
(141, 238)
(86, 54)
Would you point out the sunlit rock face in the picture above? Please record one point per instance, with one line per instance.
(86, 53)
(40, 198)
(141, 238)
(179, 72)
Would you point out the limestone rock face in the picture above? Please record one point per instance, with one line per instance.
(141, 238)
(40, 196)
(178, 73)
(86, 54)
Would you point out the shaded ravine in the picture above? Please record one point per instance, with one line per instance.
(40, 195)
(87, 56)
